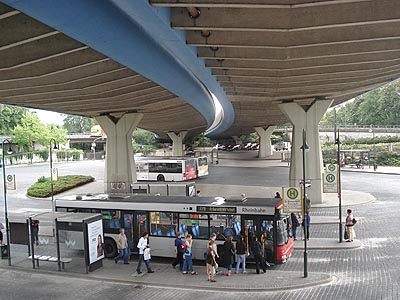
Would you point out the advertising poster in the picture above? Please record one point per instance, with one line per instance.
(96, 241)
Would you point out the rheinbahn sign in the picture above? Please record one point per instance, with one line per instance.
(291, 199)
(331, 179)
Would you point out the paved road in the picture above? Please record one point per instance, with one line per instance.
(370, 272)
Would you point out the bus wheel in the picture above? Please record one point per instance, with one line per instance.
(110, 248)
(160, 178)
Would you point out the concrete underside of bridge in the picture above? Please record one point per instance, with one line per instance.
(162, 59)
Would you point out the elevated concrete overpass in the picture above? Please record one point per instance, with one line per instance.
(159, 64)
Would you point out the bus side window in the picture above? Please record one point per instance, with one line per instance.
(163, 224)
(111, 219)
(225, 225)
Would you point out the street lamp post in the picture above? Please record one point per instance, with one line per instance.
(337, 141)
(371, 130)
(304, 148)
(52, 142)
(5, 197)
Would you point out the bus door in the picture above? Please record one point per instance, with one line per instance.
(263, 228)
(127, 217)
(140, 225)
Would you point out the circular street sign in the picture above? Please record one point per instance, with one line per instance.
(330, 178)
(292, 193)
(10, 178)
(332, 167)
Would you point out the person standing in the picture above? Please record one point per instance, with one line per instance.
(1, 233)
(227, 255)
(306, 225)
(213, 238)
(257, 252)
(295, 224)
(35, 231)
(142, 245)
(241, 255)
(210, 261)
(122, 244)
(179, 250)
(188, 263)
(350, 222)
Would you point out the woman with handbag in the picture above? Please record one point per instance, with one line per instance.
(350, 222)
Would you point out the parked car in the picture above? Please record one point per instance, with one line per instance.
(282, 146)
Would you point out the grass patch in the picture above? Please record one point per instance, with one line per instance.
(42, 188)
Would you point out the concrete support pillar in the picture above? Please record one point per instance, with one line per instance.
(265, 141)
(309, 121)
(177, 142)
(120, 171)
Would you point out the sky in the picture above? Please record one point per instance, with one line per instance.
(49, 117)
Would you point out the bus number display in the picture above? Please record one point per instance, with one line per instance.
(213, 209)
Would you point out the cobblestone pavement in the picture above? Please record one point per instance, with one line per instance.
(368, 272)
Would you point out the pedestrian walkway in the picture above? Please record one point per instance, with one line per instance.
(166, 276)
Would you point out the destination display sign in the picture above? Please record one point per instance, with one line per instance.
(214, 209)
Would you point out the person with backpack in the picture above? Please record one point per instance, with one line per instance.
(210, 261)
(241, 255)
(179, 250)
(227, 255)
(188, 263)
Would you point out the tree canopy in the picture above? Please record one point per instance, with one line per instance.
(32, 131)
(378, 107)
(78, 124)
(10, 117)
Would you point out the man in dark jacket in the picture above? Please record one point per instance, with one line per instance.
(179, 250)
(257, 252)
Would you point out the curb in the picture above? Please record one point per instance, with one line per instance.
(326, 279)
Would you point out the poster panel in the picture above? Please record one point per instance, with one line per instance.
(95, 241)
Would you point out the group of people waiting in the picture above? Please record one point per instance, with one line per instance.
(215, 259)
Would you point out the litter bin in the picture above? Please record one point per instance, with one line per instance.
(4, 251)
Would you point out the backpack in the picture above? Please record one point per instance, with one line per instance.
(185, 248)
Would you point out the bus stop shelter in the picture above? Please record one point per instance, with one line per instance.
(44, 232)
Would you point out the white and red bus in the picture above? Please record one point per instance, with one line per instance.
(166, 168)
(164, 216)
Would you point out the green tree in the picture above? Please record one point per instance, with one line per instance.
(10, 117)
(29, 132)
(143, 141)
(78, 124)
(56, 132)
(389, 104)
(202, 141)
(378, 107)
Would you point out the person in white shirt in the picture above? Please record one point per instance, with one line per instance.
(142, 244)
